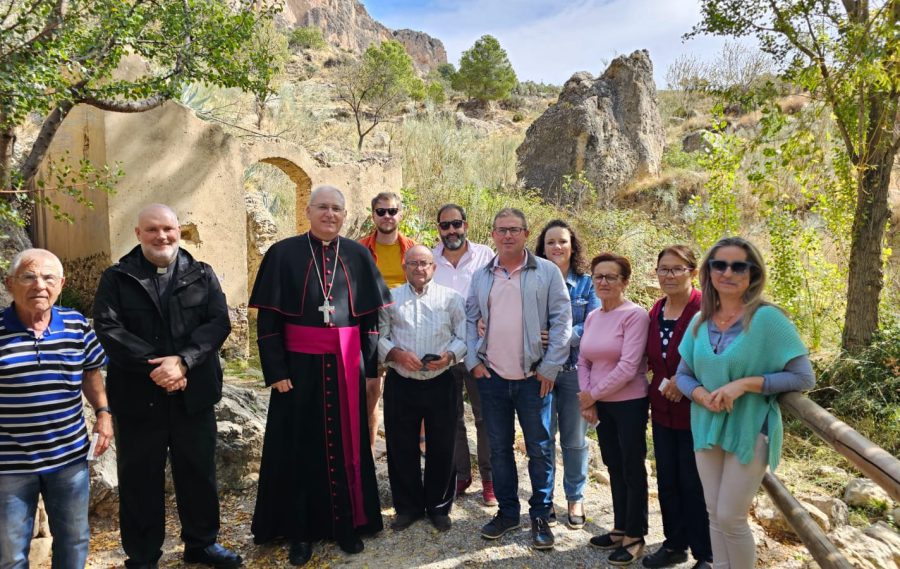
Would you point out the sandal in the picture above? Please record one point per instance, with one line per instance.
(623, 555)
(607, 541)
(574, 521)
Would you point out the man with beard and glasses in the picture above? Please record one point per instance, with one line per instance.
(456, 258)
(387, 246)
(161, 316)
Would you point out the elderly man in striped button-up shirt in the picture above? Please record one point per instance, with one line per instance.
(422, 335)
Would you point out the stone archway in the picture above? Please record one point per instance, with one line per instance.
(304, 186)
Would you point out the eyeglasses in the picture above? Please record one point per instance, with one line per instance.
(737, 267)
(382, 211)
(418, 264)
(456, 224)
(509, 230)
(674, 271)
(29, 279)
(608, 278)
(323, 207)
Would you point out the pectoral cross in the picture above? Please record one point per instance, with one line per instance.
(327, 310)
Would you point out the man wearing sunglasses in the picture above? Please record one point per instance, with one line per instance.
(456, 258)
(387, 246)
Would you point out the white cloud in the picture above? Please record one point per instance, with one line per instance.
(548, 40)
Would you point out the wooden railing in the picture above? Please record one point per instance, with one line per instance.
(873, 461)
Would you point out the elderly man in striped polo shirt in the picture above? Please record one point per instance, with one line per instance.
(422, 335)
(49, 356)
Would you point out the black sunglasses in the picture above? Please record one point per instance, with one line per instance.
(381, 211)
(456, 224)
(737, 267)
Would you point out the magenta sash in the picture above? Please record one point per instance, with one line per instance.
(344, 343)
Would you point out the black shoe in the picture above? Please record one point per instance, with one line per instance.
(610, 540)
(440, 522)
(541, 534)
(129, 564)
(627, 554)
(702, 565)
(353, 545)
(215, 555)
(403, 521)
(664, 557)
(300, 553)
(499, 526)
(551, 517)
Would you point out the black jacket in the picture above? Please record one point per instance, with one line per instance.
(130, 324)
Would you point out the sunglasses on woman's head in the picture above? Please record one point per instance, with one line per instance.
(456, 224)
(381, 211)
(737, 267)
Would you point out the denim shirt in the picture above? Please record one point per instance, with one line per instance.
(584, 301)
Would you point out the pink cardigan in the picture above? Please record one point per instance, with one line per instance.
(612, 365)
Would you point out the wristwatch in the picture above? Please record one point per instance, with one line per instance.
(103, 409)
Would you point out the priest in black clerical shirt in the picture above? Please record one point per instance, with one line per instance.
(318, 297)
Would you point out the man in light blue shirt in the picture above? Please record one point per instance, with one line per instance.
(421, 336)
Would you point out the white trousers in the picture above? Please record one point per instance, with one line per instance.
(729, 487)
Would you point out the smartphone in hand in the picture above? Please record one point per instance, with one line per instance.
(428, 358)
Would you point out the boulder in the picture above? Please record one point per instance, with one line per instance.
(886, 535)
(862, 491)
(608, 128)
(696, 141)
(834, 509)
(862, 551)
(896, 516)
(771, 518)
(241, 417)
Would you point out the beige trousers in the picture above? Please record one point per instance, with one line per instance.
(729, 487)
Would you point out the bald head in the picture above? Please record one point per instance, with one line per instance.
(157, 209)
(418, 252)
(418, 264)
(326, 212)
(329, 193)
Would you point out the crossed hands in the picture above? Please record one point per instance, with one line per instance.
(722, 399)
(170, 373)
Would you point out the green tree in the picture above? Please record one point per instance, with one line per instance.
(485, 73)
(375, 86)
(309, 37)
(846, 54)
(55, 54)
(267, 57)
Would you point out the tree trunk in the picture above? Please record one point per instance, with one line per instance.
(42, 143)
(7, 141)
(866, 278)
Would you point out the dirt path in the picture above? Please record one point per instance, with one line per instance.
(422, 546)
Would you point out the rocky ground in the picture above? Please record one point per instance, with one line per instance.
(422, 546)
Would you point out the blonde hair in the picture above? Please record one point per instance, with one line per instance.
(753, 296)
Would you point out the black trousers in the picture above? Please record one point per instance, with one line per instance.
(463, 457)
(408, 402)
(684, 516)
(623, 447)
(142, 445)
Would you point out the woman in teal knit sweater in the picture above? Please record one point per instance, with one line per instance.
(740, 352)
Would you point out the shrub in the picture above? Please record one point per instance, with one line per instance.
(306, 38)
(518, 117)
(864, 390)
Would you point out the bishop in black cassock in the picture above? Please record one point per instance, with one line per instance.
(318, 297)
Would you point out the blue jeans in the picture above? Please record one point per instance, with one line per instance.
(566, 418)
(65, 495)
(501, 401)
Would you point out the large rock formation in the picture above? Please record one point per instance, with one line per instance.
(608, 128)
(348, 25)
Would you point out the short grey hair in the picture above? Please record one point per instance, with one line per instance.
(28, 254)
(325, 188)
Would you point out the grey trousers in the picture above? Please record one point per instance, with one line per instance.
(729, 487)
(462, 457)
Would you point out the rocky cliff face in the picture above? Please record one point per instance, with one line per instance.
(347, 24)
(608, 128)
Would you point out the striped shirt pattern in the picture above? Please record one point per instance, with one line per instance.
(42, 426)
(431, 323)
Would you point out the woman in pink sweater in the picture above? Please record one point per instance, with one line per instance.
(612, 371)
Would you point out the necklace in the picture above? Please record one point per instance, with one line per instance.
(326, 309)
(729, 319)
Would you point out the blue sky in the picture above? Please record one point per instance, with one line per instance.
(549, 40)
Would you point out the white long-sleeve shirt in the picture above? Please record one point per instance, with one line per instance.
(433, 322)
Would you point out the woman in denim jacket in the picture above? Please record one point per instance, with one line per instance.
(559, 244)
